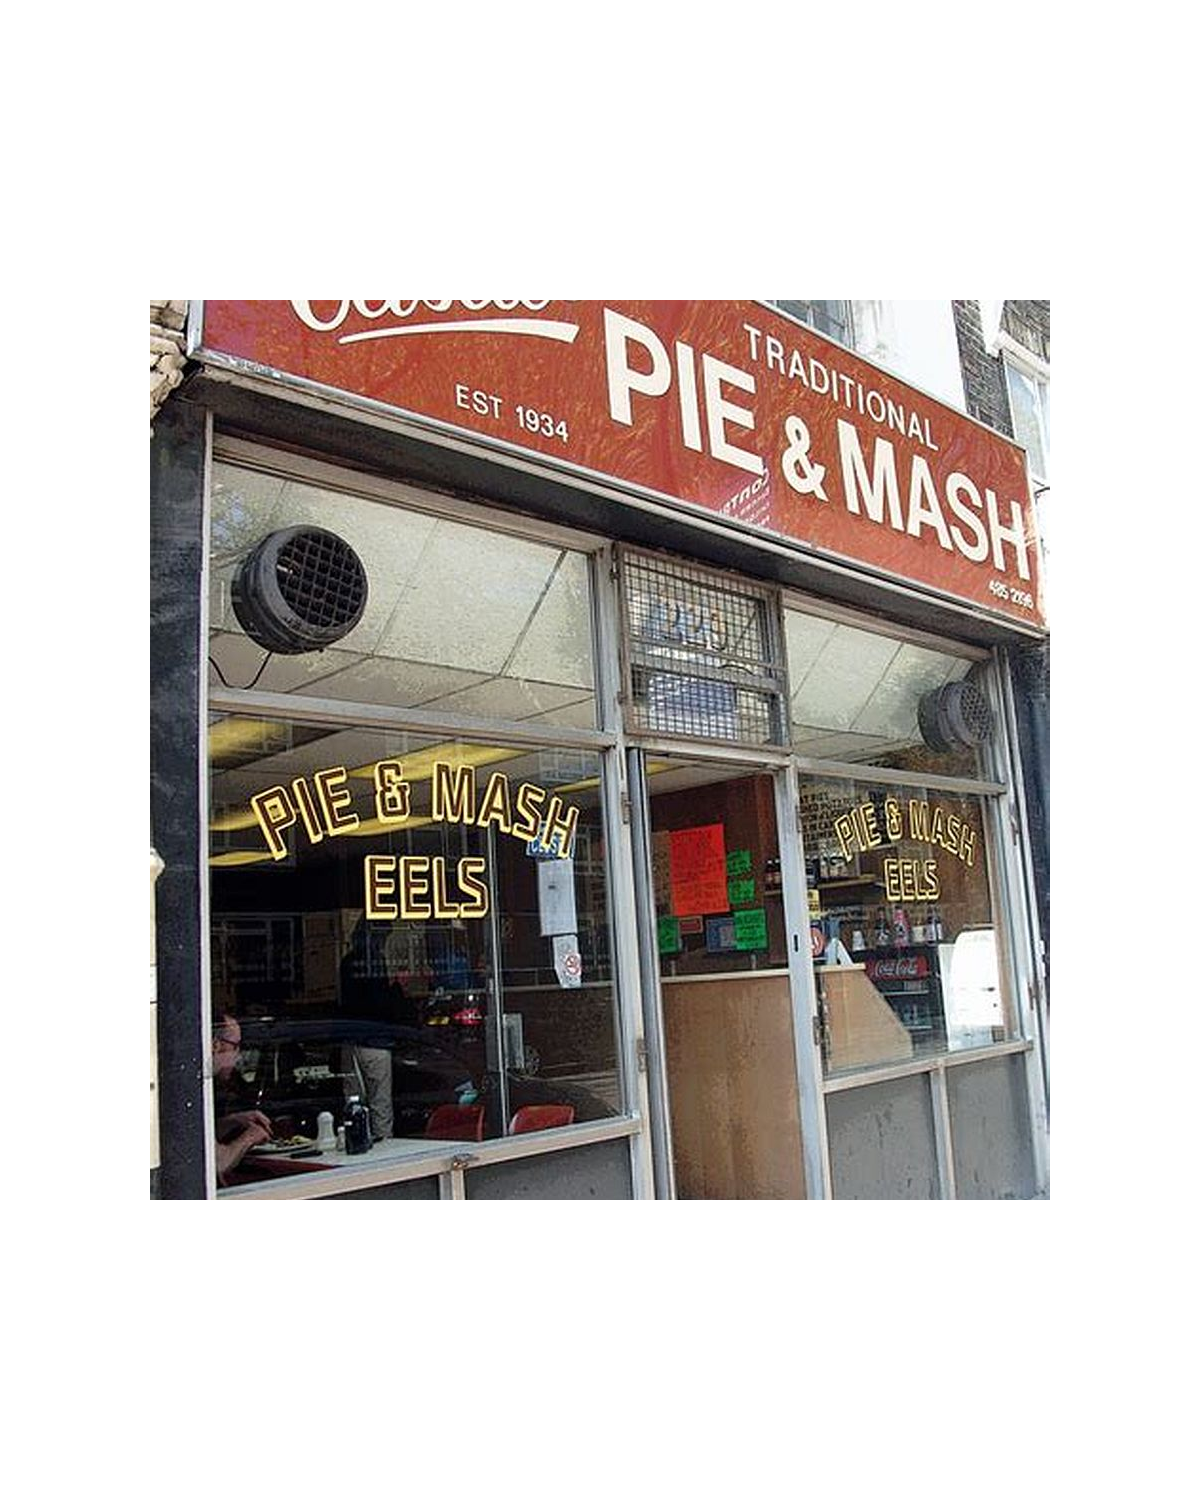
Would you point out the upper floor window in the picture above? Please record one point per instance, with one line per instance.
(1029, 402)
(832, 318)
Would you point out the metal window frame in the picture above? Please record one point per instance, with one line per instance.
(605, 741)
(769, 595)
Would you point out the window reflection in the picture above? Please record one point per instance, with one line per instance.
(903, 938)
(445, 948)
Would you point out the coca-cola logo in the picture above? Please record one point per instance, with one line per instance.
(913, 966)
(328, 317)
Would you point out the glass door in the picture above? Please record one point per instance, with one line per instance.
(728, 1032)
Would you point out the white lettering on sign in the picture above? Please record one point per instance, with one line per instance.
(622, 335)
(922, 506)
(403, 308)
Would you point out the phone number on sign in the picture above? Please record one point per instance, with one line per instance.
(1020, 597)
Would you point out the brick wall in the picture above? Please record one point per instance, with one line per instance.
(983, 373)
(167, 321)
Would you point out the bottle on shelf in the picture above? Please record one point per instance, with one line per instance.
(882, 937)
(900, 928)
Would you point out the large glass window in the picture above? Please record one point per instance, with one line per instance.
(422, 925)
(860, 696)
(903, 926)
(456, 619)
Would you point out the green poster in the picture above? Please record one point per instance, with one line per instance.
(741, 892)
(750, 928)
(737, 862)
(669, 940)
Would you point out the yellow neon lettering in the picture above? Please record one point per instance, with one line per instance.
(273, 809)
(495, 806)
(529, 799)
(891, 879)
(844, 828)
(966, 847)
(443, 907)
(872, 838)
(413, 871)
(559, 822)
(308, 812)
(334, 795)
(932, 889)
(453, 793)
(391, 792)
(379, 883)
(468, 868)
(953, 825)
(893, 822)
(918, 821)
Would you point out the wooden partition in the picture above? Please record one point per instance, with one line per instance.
(731, 1072)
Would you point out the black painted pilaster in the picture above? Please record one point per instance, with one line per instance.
(177, 458)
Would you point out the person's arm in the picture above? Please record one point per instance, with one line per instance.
(230, 1153)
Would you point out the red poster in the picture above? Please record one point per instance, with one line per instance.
(731, 407)
(698, 883)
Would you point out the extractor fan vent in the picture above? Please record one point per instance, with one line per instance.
(300, 589)
(955, 717)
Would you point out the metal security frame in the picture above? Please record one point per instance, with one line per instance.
(622, 750)
(450, 1162)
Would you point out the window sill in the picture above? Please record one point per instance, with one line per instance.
(912, 1066)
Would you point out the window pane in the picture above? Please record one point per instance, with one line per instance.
(857, 696)
(1024, 395)
(715, 856)
(521, 650)
(904, 933)
(423, 924)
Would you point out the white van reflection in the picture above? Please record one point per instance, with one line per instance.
(974, 1013)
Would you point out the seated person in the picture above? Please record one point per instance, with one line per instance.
(238, 1130)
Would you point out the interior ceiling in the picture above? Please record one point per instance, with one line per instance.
(854, 694)
(521, 646)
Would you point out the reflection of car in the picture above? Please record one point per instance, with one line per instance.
(293, 1068)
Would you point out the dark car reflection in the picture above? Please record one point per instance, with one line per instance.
(293, 1069)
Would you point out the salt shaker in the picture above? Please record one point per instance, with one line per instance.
(326, 1139)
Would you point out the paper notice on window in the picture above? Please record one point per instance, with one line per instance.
(568, 965)
(698, 870)
(556, 896)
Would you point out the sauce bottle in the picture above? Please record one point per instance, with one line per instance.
(358, 1127)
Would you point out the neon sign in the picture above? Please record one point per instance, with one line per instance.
(415, 887)
(859, 830)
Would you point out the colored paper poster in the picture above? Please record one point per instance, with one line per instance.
(660, 872)
(669, 940)
(750, 929)
(698, 870)
(690, 926)
(737, 862)
(741, 892)
(719, 936)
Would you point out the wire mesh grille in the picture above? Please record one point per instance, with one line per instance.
(704, 655)
(321, 578)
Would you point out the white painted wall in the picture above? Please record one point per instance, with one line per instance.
(915, 340)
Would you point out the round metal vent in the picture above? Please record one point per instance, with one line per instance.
(955, 717)
(300, 589)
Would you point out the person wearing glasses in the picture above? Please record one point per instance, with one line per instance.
(238, 1131)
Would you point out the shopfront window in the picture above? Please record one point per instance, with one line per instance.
(455, 618)
(860, 696)
(903, 924)
(420, 923)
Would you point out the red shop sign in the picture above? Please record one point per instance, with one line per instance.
(728, 406)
